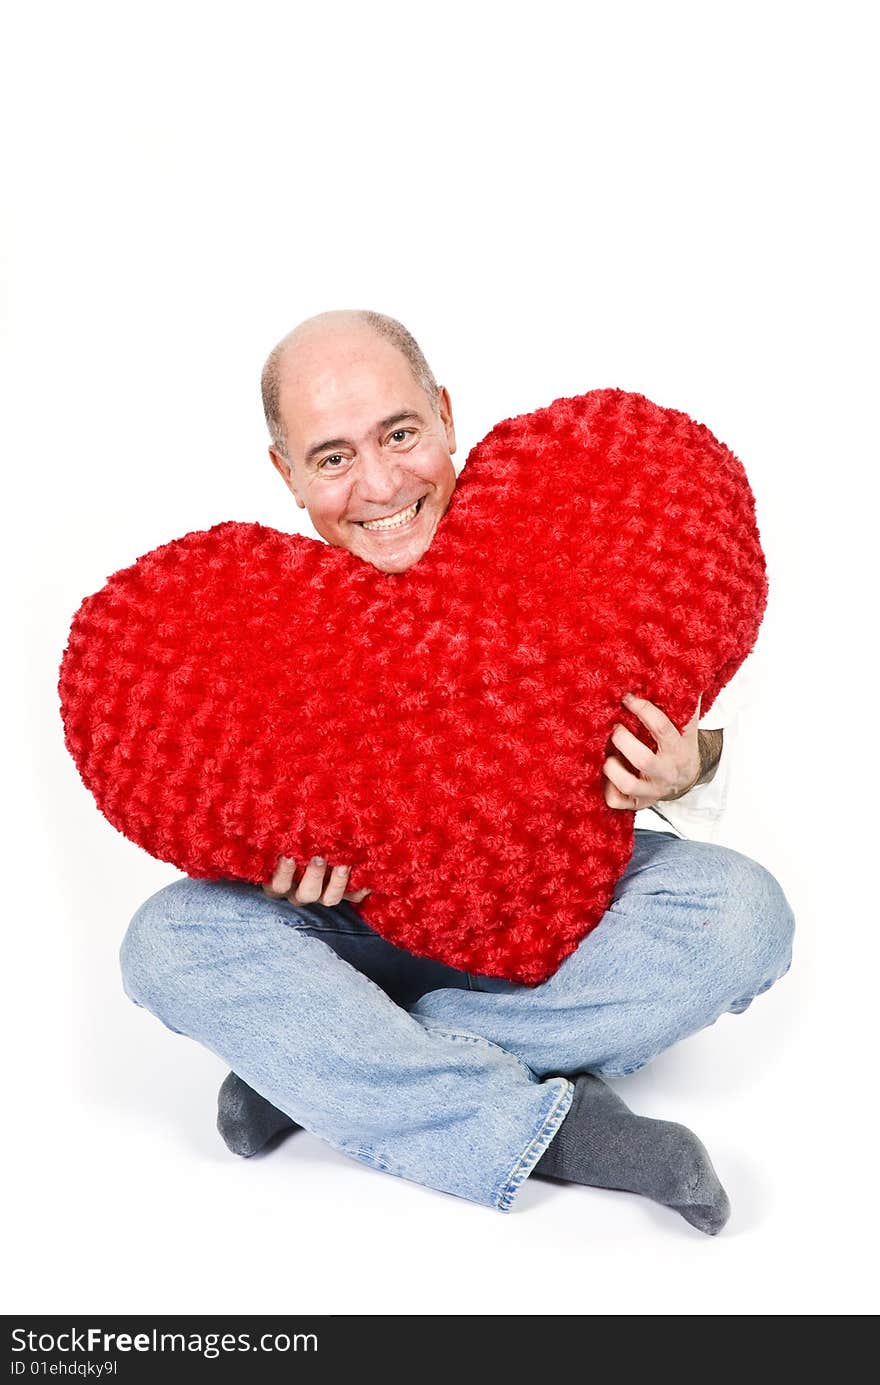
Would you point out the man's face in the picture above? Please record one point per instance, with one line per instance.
(367, 455)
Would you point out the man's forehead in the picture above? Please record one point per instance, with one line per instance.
(321, 354)
(347, 391)
(351, 407)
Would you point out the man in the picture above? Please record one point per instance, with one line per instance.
(463, 1083)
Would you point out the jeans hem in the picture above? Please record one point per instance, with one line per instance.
(550, 1123)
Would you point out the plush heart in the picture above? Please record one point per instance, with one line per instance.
(242, 693)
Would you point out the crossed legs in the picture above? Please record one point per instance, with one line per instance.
(454, 1081)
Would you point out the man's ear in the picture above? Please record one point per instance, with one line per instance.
(285, 471)
(444, 406)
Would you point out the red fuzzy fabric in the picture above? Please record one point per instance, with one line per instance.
(241, 693)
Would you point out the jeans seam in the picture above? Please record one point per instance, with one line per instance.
(463, 1037)
(299, 924)
(297, 917)
(627, 1071)
(310, 927)
(549, 1123)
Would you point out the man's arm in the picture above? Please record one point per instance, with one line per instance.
(710, 745)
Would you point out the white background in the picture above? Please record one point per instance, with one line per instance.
(673, 198)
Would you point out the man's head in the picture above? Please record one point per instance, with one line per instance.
(361, 434)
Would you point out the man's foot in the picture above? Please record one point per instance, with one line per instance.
(603, 1144)
(246, 1120)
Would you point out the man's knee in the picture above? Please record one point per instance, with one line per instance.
(149, 948)
(750, 926)
(732, 929)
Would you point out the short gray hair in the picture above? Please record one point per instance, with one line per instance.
(386, 327)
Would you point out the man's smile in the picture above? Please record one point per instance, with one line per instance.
(394, 521)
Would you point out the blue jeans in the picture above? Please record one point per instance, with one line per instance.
(455, 1081)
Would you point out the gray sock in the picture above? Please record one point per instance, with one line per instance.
(246, 1120)
(603, 1144)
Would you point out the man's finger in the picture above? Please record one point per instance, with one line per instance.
(311, 886)
(635, 750)
(615, 799)
(282, 880)
(621, 778)
(336, 886)
(357, 895)
(657, 722)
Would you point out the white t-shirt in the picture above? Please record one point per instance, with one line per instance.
(697, 813)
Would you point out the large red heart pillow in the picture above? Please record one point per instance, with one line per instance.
(242, 693)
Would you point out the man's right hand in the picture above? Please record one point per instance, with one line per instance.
(312, 888)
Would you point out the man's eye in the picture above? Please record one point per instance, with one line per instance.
(334, 457)
(400, 433)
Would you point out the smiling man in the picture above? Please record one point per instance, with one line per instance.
(463, 1083)
(362, 436)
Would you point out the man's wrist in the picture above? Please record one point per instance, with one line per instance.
(710, 745)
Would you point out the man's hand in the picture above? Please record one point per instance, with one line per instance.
(668, 772)
(312, 887)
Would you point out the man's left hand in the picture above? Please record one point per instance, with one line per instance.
(667, 772)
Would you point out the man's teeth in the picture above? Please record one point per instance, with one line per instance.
(393, 521)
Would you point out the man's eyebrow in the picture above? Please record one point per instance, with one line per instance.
(322, 446)
(383, 423)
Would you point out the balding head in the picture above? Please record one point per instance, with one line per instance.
(361, 434)
(338, 323)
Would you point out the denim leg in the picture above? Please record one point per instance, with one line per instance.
(693, 931)
(281, 994)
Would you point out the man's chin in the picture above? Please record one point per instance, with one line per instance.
(393, 562)
(389, 555)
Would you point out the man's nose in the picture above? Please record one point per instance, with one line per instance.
(378, 477)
